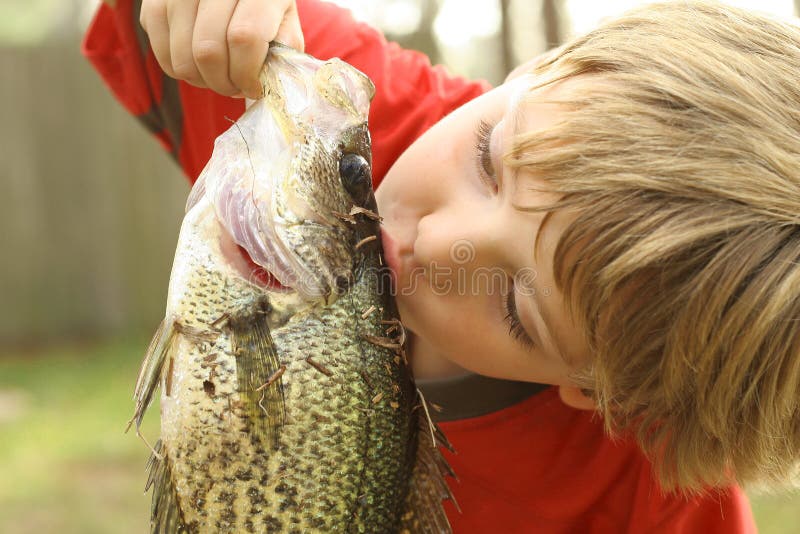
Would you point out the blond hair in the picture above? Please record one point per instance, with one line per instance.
(679, 153)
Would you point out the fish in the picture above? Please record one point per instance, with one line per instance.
(287, 402)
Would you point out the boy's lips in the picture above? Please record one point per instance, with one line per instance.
(393, 253)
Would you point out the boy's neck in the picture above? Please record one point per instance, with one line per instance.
(429, 364)
(458, 393)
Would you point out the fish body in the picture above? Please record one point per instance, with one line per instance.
(288, 406)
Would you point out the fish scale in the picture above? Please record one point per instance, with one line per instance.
(287, 409)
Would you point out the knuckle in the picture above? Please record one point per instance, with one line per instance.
(164, 61)
(144, 16)
(167, 68)
(243, 35)
(185, 70)
(144, 9)
(207, 51)
(149, 11)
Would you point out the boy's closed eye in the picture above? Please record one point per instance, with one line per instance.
(515, 328)
(489, 176)
(483, 147)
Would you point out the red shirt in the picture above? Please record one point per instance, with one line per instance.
(541, 466)
(538, 466)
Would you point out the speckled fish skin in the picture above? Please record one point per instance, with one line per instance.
(344, 448)
(283, 410)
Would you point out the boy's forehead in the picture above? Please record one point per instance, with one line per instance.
(536, 107)
(537, 104)
(520, 87)
(531, 109)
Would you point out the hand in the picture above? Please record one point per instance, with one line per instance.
(219, 44)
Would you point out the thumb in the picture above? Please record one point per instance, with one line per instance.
(290, 33)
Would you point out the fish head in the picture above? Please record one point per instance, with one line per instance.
(285, 177)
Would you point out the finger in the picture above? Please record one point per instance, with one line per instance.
(153, 18)
(181, 16)
(290, 32)
(253, 25)
(210, 46)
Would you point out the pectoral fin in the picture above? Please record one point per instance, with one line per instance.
(150, 374)
(258, 373)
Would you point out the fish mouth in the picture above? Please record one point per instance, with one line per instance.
(325, 288)
(240, 260)
(283, 222)
(251, 187)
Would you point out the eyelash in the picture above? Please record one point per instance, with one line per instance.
(483, 139)
(515, 328)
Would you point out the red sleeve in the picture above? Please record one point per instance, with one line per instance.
(410, 94)
(185, 119)
(410, 97)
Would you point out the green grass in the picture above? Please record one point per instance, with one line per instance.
(777, 514)
(68, 467)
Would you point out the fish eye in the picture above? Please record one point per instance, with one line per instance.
(356, 176)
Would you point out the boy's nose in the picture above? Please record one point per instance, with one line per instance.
(460, 237)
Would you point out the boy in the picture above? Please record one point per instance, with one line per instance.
(634, 200)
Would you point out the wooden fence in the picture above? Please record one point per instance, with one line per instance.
(91, 205)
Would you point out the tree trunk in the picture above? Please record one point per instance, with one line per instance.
(423, 39)
(506, 36)
(552, 22)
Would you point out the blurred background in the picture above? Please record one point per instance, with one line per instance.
(90, 221)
